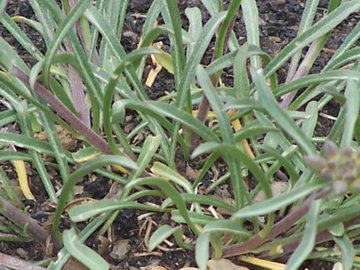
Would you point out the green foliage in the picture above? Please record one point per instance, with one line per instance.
(88, 84)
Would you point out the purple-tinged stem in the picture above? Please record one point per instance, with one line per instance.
(280, 227)
(12, 213)
(321, 237)
(303, 69)
(77, 91)
(16, 263)
(93, 138)
(204, 105)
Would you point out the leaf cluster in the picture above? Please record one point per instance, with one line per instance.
(260, 130)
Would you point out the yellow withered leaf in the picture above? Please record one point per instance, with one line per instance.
(23, 179)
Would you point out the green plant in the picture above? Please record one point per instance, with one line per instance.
(87, 83)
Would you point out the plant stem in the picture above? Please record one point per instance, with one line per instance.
(280, 227)
(12, 213)
(65, 113)
(16, 263)
(204, 105)
(321, 237)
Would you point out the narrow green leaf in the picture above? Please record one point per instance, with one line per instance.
(223, 226)
(306, 21)
(177, 40)
(308, 241)
(337, 230)
(32, 23)
(161, 170)
(187, 76)
(98, 21)
(352, 107)
(309, 124)
(56, 146)
(278, 202)
(285, 160)
(110, 88)
(203, 199)
(85, 154)
(195, 26)
(148, 151)
(213, 6)
(237, 154)
(8, 57)
(241, 80)
(346, 57)
(165, 60)
(3, 5)
(161, 234)
(9, 189)
(202, 250)
(62, 31)
(347, 251)
(83, 235)
(76, 176)
(196, 218)
(345, 46)
(151, 19)
(117, 9)
(84, 212)
(209, 162)
(326, 24)
(223, 31)
(7, 117)
(154, 108)
(25, 142)
(170, 192)
(11, 155)
(49, 14)
(23, 118)
(282, 119)
(164, 232)
(251, 19)
(20, 36)
(82, 253)
(218, 108)
(253, 132)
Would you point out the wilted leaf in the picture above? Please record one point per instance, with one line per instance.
(263, 263)
(23, 179)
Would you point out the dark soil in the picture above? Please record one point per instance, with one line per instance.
(279, 25)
